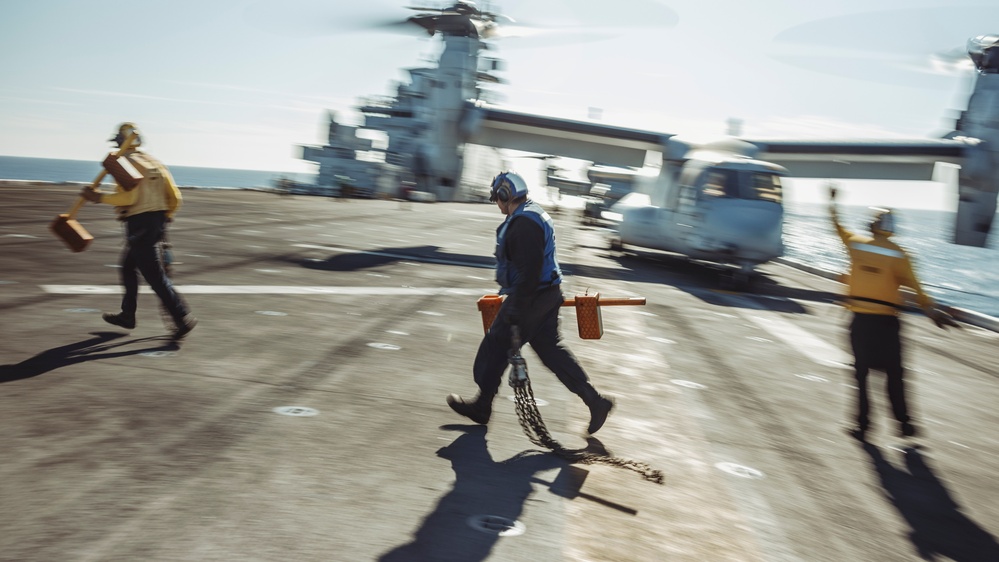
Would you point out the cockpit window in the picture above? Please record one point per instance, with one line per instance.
(721, 183)
(741, 184)
(766, 187)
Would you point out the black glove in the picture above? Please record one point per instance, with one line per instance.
(943, 319)
(91, 195)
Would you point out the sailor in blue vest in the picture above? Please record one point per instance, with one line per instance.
(528, 273)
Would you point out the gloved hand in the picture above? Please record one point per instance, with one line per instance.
(92, 195)
(943, 319)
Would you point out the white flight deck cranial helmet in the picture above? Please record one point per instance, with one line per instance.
(507, 187)
(124, 130)
(883, 222)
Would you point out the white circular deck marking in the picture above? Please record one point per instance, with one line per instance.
(397, 332)
(496, 525)
(299, 411)
(82, 310)
(537, 401)
(159, 353)
(385, 346)
(115, 265)
(688, 384)
(268, 270)
(430, 313)
(661, 340)
(271, 313)
(813, 378)
(738, 470)
(378, 275)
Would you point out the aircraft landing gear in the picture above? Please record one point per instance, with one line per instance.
(616, 245)
(741, 279)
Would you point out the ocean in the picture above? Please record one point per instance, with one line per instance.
(959, 276)
(955, 275)
(84, 171)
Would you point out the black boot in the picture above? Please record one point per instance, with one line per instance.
(477, 410)
(184, 326)
(121, 319)
(600, 408)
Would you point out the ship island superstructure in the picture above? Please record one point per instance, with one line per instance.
(426, 112)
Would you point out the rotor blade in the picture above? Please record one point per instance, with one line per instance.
(889, 47)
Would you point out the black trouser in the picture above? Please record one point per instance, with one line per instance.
(877, 345)
(539, 326)
(143, 233)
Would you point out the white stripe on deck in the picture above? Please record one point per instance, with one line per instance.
(272, 290)
(809, 345)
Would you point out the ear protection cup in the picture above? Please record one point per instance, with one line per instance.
(503, 192)
(507, 186)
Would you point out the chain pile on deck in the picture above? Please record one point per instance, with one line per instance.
(534, 427)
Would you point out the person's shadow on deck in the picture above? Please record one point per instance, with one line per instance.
(482, 487)
(99, 346)
(939, 528)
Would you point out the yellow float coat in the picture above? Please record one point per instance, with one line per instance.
(878, 267)
(155, 192)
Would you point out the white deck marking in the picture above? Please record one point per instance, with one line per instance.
(811, 346)
(272, 290)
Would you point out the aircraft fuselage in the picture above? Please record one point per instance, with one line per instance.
(725, 209)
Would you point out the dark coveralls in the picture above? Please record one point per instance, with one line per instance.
(876, 343)
(525, 254)
(143, 234)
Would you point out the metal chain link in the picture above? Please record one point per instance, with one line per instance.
(534, 427)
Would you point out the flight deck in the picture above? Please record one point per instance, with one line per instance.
(304, 418)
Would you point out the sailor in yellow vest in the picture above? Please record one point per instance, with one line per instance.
(878, 268)
(145, 209)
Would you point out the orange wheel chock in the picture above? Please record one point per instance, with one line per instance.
(588, 318)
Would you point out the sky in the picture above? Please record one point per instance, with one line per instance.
(242, 83)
